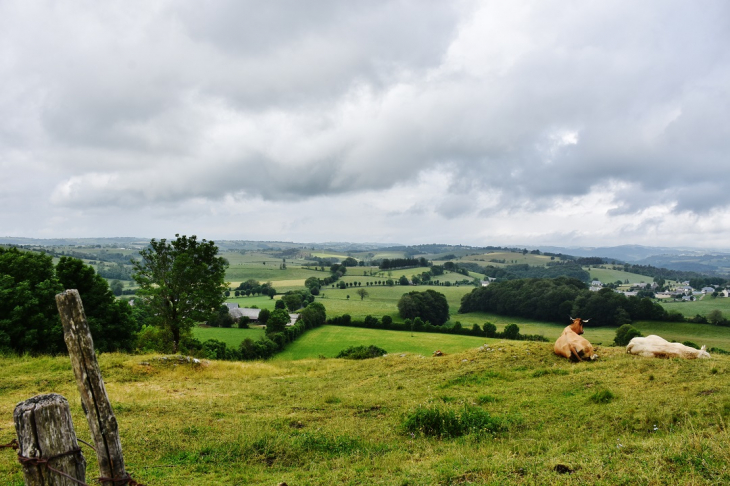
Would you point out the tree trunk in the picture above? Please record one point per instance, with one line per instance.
(46, 432)
(99, 414)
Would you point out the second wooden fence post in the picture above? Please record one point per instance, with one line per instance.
(99, 414)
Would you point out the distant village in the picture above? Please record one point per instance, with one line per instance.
(683, 291)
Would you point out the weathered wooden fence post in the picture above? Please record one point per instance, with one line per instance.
(48, 451)
(99, 414)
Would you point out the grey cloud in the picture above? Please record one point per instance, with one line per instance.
(287, 101)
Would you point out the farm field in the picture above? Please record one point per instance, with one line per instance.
(701, 306)
(621, 420)
(608, 275)
(232, 337)
(328, 341)
(382, 300)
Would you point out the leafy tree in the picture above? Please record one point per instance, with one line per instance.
(116, 287)
(314, 315)
(280, 304)
(511, 331)
(264, 316)
(403, 280)
(362, 293)
(293, 301)
(313, 284)
(29, 320)
(349, 262)
(714, 317)
(490, 330)
(429, 305)
(249, 285)
(183, 281)
(110, 320)
(624, 334)
(277, 321)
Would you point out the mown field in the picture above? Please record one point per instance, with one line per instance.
(328, 341)
(702, 306)
(232, 336)
(542, 420)
(608, 275)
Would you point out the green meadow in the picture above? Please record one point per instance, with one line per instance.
(232, 336)
(328, 341)
(515, 414)
(701, 306)
(608, 275)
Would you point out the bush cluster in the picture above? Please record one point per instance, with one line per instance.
(361, 352)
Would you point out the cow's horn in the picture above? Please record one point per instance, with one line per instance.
(570, 318)
(586, 320)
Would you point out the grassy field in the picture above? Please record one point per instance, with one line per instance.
(701, 307)
(621, 420)
(608, 275)
(232, 337)
(327, 341)
(382, 300)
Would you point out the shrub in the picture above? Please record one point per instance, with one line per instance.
(602, 396)
(511, 331)
(691, 344)
(624, 334)
(490, 330)
(361, 352)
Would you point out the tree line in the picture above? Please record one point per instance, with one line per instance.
(389, 264)
(556, 299)
(29, 320)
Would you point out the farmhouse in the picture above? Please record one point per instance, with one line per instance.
(253, 314)
(707, 290)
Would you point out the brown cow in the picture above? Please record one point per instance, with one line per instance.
(571, 345)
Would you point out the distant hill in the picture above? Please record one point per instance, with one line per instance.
(683, 259)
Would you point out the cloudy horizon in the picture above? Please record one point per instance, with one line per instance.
(561, 123)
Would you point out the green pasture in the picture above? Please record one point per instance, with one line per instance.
(511, 258)
(262, 302)
(608, 275)
(268, 273)
(622, 420)
(328, 341)
(383, 300)
(702, 306)
(232, 337)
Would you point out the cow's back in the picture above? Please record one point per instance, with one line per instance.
(579, 343)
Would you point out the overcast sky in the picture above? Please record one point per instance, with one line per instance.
(482, 123)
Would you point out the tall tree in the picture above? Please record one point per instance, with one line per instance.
(110, 320)
(183, 282)
(29, 321)
(429, 306)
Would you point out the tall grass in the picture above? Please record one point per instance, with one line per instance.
(331, 421)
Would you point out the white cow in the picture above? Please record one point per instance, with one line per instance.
(656, 347)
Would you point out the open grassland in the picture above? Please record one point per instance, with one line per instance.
(510, 258)
(328, 341)
(608, 275)
(382, 300)
(232, 337)
(268, 273)
(261, 302)
(702, 307)
(621, 420)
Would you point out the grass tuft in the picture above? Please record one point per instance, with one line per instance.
(447, 423)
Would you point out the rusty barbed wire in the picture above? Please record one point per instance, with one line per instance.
(13, 444)
(44, 461)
